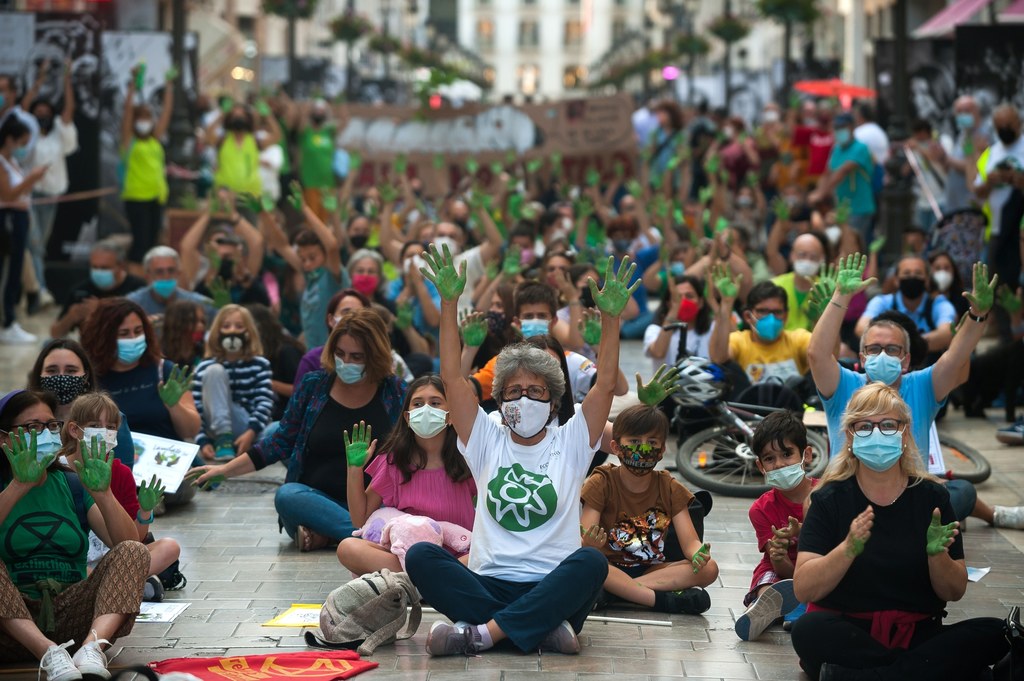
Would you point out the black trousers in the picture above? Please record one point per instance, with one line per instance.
(146, 219)
(958, 652)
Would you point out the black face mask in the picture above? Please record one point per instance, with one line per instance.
(496, 322)
(233, 342)
(912, 288)
(64, 387)
(45, 124)
(1007, 135)
(237, 124)
(318, 119)
(227, 269)
(359, 241)
(586, 297)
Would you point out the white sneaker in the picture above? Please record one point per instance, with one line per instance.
(15, 335)
(46, 298)
(1010, 517)
(91, 661)
(58, 665)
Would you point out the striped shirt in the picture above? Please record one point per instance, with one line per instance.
(250, 389)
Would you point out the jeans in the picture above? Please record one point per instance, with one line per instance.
(39, 236)
(963, 496)
(635, 328)
(299, 504)
(221, 416)
(525, 611)
(15, 223)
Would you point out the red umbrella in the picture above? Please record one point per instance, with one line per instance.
(834, 88)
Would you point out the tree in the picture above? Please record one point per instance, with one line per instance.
(292, 10)
(349, 28)
(788, 13)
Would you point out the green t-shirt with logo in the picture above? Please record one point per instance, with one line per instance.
(528, 501)
(316, 165)
(42, 539)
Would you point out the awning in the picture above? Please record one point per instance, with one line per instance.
(1015, 12)
(945, 21)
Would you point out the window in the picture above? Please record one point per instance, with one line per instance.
(529, 78)
(485, 33)
(529, 33)
(573, 33)
(574, 77)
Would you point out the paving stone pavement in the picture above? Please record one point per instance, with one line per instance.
(241, 572)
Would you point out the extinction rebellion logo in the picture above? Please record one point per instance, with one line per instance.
(520, 500)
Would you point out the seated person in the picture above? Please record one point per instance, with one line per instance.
(108, 278)
(780, 445)
(683, 303)
(162, 266)
(808, 256)
(764, 350)
(638, 504)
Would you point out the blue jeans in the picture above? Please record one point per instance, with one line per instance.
(299, 504)
(635, 328)
(963, 496)
(525, 611)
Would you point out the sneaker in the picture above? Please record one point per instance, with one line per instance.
(15, 335)
(692, 601)
(1010, 435)
(153, 591)
(460, 638)
(225, 449)
(774, 602)
(792, 616)
(562, 639)
(46, 298)
(91, 661)
(1009, 517)
(58, 665)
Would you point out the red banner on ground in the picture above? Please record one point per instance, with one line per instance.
(326, 665)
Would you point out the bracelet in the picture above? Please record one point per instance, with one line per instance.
(841, 307)
(980, 319)
(138, 518)
(574, 303)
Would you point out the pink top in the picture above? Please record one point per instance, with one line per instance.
(772, 508)
(429, 493)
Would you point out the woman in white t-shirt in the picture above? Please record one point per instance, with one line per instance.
(529, 580)
(685, 304)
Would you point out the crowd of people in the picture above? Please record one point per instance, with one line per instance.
(454, 355)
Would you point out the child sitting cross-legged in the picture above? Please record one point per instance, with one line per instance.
(780, 444)
(638, 504)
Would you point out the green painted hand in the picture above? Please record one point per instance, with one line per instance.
(556, 163)
(357, 446)
(25, 465)
(226, 104)
(635, 189)
(330, 202)
(449, 283)
(876, 244)
(672, 164)
(170, 75)
(528, 212)
(850, 275)
(438, 161)
(403, 315)
(705, 194)
(355, 160)
(388, 193)
(219, 292)
(656, 181)
(474, 329)
(619, 169)
(480, 200)
(752, 179)
(533, 165)
(818, 297)
(497, 168)
(713, 164)
(295, 195)
(511, 265)
(590, 327)
(721, 224)
(593, 177)
(983, 295)
(584, 207)
(176, 385)
(267, 203)
(701, 558)
(662, 384)
(510, 157)
(94, 468)
(511, 183)
(472, 166)
(659, 206)
(401, 164)
(151, 494)
(612, 299)
(262, 108)
(855, 547)
(939, 536)
(1009, 301)
(727, 285)
(843, 213)
(781, 209)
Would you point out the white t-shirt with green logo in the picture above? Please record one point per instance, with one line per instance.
(528, 499)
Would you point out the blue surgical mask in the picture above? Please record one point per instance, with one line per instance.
(534, 327)
(164, 287)
(883, 368)
(21, 153)
(47, 444)
(677, 268)
(103, 279)
(965, 121)
(768, 328)
(785, 478)
(877, 451)
(129, 350)
(621, 245)
(349, 373)
(843, 136)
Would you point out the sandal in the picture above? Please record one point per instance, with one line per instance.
(307, 540)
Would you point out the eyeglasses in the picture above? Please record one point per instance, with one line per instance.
(223, 241)
(891, 350)
(534, 392)
(885, 427)
(38, 427)
(778, 314)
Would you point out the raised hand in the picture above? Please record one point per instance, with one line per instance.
(592, 177)
(401, 163)
(876, 244)
(662, 384)
(635, 189)
(533, 165)
(612, 299)
(403, 315)
(726, 283)
(388, 193)
(497, 169)
(790, 531)
(843, 214)
(472, 166)
(659, 206)
(593, 536)
(438, 161)
(25, 465)
(295, 197)
(584, 207)
(850, 274)
(151, 494)
(983, 295)
(355, 161)
(94, 468)
(705, 194)
(781, 209)
(219, 292)
(170, 75)
(176, 385)
(474, 329)
(819, 296)
(701, 558)
(940, 537)
(330, 202)
(590, 326)
(267, 203)
(860, 532)
(449, 283)
(512, 263)
(359, 447)
(262, 108)
(1008, 301)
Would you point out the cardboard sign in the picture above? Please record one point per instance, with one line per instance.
(168, 460)
(588, 133)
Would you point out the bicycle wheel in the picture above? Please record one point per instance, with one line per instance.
(720, 460)
(963, 462)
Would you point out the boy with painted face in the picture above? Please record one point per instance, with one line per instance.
(638, 505)
(780, 444)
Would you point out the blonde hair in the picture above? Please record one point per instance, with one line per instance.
(86, 408)
(253, 348)
(869, 401)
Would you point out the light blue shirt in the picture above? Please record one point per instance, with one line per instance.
(856, 186)
(916, 390)
(942, 311)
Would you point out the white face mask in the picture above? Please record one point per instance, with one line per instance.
(526, 417)
(442, 241)
(108, 435)
(833, 233)
(806, 268)
(427, 421)
(770, 116)
(942, 279)
(144, 127)
(262, 135)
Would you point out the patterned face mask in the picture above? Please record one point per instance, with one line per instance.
(639, 459)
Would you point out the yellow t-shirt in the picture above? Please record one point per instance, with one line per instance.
(796, 303)
(238, 165)
(145, 174)
(785, 358)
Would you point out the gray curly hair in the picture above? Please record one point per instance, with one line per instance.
(523, 357)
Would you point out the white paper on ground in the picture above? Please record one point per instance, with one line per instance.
(168, 460)
(975, 574)
(160, 613)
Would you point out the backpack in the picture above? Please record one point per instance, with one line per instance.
(368, 612)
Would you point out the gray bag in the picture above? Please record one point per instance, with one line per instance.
(368, 612)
